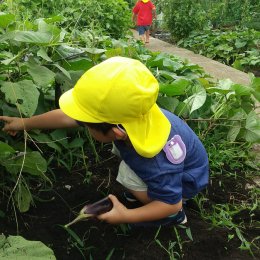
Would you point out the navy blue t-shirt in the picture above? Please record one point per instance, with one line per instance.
(168, 182)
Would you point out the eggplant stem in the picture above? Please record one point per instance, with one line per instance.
(80, 217)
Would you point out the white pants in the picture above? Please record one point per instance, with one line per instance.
(127, 177)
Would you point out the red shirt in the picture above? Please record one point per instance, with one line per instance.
(144, 13)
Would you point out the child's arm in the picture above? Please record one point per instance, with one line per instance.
(50, 120)
(134, 16)
(154, 210)
(154, 13)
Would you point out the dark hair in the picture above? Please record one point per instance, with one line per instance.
(102, 127)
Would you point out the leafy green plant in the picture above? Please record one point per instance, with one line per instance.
(110, 18)
(21, 167)
(182, 17)
(237, 47)
(222, 216)
(186, 91)
(229, 13)
(228, 166)
(37, 63)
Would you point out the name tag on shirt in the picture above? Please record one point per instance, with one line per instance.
(175, 150)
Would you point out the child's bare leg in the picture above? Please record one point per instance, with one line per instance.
(147, 36)
(141, 196)
(142, 38)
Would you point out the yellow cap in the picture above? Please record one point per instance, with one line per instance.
(145, 1)
(121, 91)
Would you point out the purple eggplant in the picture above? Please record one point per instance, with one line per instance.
(99, 207)
(92, 210)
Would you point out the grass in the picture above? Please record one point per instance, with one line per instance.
(232, 167)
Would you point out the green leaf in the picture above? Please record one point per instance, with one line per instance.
(42, 53)
(241, 90)
(44, 27)
(114, 52)
(204, 82)
(40, 74)
(66, 51)
(175, 88)
(78, 64)
(223, 87)
(74, 236)
(10, 60)
(172, 65)
(7, 36)
(60, 136)
(240, 44)
(237, 65)
(65, 72)
(23, 198)
(5, 152)
(24, 94)
(255, 83)
(109, 256)
(76, 143)
(233, 132)
(197, 100)
(94, 50)
(182, 110)
(6, 149)
(44, 138)
(252, 127)
(224, 47)
(6, 19)
(168, 103)
(16, 247)
(189, 234)
(53, 19)
(32, 163)
(158, 62)
(33, 37)
(65, 83)
(166, 75)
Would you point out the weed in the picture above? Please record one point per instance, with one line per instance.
(174, 249)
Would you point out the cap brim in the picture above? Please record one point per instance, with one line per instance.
(71, 108)
(150, 133)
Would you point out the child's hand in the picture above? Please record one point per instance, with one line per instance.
(117, 214)
(12, 124)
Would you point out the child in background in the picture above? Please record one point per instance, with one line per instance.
(143, 14)
(163, 161)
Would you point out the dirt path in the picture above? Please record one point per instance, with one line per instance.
(215, 69)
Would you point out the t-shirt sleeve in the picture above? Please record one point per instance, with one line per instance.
(136, 9)
(152, 6)
(166, 188)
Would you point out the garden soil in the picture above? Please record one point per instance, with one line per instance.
(56, 206)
